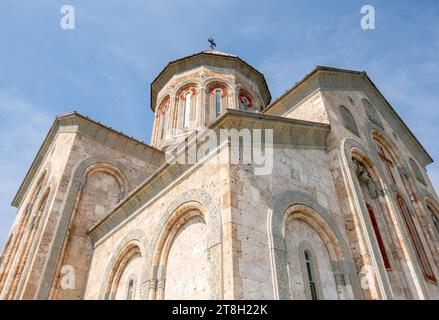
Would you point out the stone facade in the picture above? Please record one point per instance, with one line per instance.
(347, 210)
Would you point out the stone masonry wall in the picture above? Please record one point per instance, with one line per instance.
(102, 190)
(20, 251)
(212, 179)
(353, 101)
(301, 170)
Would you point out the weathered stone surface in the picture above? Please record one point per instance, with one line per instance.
(131, 226)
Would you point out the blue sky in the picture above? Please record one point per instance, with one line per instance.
(104, 67)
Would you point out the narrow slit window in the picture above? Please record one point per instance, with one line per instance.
(163, 124)
(217, 103)
(187, 109)
(130, 290)
(378, 237)
(310, 276)
(245, 103)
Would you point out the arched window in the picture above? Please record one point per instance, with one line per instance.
(130, 290)
(310, 274)
(217, 101)
(378, 237)
(415, 239)
(163, 121)
(245, 102)
(348, 120)
(372, 114)
(388, 162)
(370, 197)
(311, 249)
(218, 94)
(187, 109)
(187, 237)
(124, 273)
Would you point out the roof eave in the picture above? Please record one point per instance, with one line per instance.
(366, 76)
(19, 196)
(230, 114)
(232, 57)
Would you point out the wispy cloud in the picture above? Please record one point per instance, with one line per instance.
(23, 127)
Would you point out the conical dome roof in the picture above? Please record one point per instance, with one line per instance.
(213, 58)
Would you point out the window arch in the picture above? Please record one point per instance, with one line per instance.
(294, 212)
(129, 254)
(163, 124)
(111, 183)
(291, 205)
(371, 113)
(245, 101)
(117, 264)
(180, 240)
(193, 204)
(131, 289)
(417, 171)
(187, 106)
(112, 170)
(394, 167)
(163, 118)
(415, 239)
(389, 160)
(218, 100)
(370, 195)
(348, 120)
(187, 109)
(382, 139)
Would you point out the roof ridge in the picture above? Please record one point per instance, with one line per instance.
(119, 132)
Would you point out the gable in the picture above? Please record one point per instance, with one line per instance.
(97, 132)
(332, 79)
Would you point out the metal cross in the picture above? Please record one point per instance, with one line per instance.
(212, 43)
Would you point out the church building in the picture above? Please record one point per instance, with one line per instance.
(346, 211)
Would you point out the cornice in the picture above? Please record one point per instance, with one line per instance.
(332, 79)
(77, 123)
(208, 59)
(287, 132)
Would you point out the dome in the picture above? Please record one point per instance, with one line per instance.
(192, 92)
(212, 58)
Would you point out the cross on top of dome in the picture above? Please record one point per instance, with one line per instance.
(212, 43)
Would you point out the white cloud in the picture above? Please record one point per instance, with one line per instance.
(22, 130)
